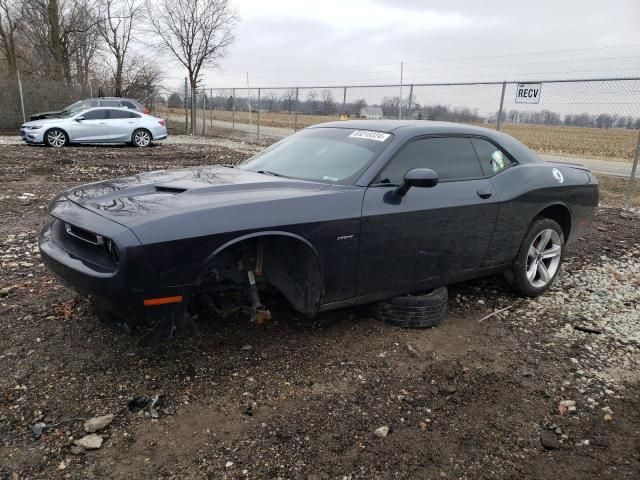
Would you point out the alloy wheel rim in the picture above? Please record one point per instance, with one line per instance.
(543, 258)
(56, 138)
(142, 139)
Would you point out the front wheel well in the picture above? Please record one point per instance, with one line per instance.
(285, 262)
(561, 215)
(55, 128)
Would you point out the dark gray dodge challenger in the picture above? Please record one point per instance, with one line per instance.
(385, 213)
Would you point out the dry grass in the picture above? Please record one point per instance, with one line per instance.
(611, 144)
(613, 190)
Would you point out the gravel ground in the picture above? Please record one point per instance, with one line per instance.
(547, 388)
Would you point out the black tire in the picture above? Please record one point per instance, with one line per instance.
(516, 275)
(141, 137)
(56, 138)
(413, 311)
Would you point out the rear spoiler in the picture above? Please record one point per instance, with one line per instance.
(577, 166)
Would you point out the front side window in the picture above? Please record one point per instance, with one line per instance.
(491, 157)
(97, 114)
(450, 157)
(129, 105)
(331, 155)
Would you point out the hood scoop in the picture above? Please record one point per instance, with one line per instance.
(168, 189)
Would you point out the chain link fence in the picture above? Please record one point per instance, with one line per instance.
(591, 121)
(594, 121)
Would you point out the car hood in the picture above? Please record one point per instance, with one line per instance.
(148, 197)
(44, 121)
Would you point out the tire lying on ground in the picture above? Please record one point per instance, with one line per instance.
(413, 311)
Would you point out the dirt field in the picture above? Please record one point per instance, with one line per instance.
(547, 389)
(611, 144)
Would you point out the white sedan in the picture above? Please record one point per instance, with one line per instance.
(96, 125)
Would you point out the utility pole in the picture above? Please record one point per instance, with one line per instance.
(400, 102)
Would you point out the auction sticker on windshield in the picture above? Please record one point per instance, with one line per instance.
(369, 135)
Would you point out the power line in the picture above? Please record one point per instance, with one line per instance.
(450, 59)
(390, 72)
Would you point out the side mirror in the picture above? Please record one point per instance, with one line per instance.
(80, 118)
(417, 177)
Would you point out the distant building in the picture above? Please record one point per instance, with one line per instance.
(371, 113)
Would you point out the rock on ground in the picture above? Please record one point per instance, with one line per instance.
(98, 423)
(90, 442)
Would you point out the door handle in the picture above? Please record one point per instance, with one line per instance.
(102, 123)
(484, 193)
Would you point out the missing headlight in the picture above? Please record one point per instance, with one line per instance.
(112, 250)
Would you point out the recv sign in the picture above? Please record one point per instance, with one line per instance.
(528, 93)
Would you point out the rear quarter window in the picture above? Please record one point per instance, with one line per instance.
(492, 158)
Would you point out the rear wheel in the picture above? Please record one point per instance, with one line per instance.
(141, 138)
(538, 261)
(56, 138)
(413, 311)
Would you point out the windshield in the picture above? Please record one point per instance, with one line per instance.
(78, 107)
(331, 155)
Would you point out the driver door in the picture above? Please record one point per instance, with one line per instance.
(90, 126)
(432, 235)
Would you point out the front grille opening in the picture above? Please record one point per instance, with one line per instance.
(85, 235)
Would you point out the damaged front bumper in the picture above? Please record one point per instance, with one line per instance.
(104, 261)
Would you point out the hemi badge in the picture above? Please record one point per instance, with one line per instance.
(345, 237)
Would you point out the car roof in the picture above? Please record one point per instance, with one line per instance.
(413, 128)
(389, 126)
(102, 107)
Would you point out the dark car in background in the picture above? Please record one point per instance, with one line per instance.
(116, 102)
(385, 213)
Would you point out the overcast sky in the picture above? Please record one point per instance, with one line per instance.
(356, 42)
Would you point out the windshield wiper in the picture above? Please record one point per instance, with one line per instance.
(273, 174)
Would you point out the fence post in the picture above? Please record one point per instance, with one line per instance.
(186, 113)
(409, 105)
(24, 118)
(233, 109)
(213, 108)
(204, 112)
(194, 110)
(295, 116)
(344, 101)
(499, 119)
(258, 119)
(632, 178)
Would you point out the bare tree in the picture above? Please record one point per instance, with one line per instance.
(116, 28)
(312, 101)
(10, 19)
(289, 98)
(55, 30)
(357, 106)
(197, 32)
(271, 101)
(327, 101)
(85, 41)
(55, 39)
